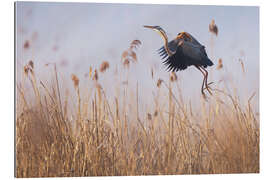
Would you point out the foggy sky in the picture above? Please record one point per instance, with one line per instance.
(86, 34)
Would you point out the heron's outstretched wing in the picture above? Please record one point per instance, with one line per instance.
(193, 51)
(193, 40)
(172, 45)
(186, 54)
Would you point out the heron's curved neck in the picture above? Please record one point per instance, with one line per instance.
(170, 53)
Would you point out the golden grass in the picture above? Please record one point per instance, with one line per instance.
(100, 137)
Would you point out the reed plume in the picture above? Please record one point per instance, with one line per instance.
(104, 66)
(220, 64)
(213, 27)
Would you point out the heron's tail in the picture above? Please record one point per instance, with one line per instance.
(209, 62)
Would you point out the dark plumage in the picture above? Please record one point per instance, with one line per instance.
(180, 60)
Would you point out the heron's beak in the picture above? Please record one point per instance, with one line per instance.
(150, 27)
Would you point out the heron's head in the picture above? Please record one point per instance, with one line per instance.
(156, 28)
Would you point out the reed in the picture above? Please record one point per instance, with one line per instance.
(101, 136)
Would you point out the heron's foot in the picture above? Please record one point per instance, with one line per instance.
(204, 96)
(208, 88)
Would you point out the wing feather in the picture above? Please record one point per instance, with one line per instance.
(192, 51)
(185, 53)
(172, 45)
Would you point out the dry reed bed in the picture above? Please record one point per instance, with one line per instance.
(102, 138)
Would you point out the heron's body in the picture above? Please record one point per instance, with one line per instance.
(182, 52)
(185, 53)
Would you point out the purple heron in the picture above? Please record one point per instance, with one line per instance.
(184, 51)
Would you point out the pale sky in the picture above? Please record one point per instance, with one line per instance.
(87, 33)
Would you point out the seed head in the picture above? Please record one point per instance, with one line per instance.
(26, 44)
(173, 77)
(149, 116)
(105, 65)
(95, 77)
(31, 64)
(126, 63)
(26, 69)
(125, 54)
(130, 54)
(159, 82)
(75, 80)
(220, 64)
(242, 65)
(135, 43)
(213, 27)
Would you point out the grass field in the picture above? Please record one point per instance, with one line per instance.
(93, 134)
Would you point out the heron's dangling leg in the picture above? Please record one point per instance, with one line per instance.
(198, 67)
(206, 77)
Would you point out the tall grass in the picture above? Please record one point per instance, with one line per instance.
(101, 137)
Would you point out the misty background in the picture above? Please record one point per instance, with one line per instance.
(76, 36)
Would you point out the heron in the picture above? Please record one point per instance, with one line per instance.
(182, 52)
